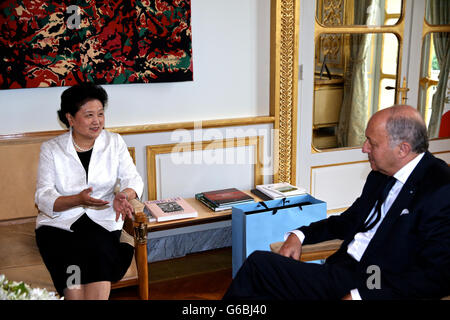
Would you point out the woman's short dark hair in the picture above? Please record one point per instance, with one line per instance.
(76, 96)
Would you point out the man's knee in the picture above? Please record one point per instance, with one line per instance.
(260, 258)
(258, 255)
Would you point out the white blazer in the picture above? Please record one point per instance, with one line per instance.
(60, 173)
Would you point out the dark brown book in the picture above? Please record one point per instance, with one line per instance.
(227, 196)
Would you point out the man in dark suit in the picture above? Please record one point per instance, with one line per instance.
(396, 234)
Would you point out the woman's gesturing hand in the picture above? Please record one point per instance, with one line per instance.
(87, 200)
(122, 206)
(80, 199)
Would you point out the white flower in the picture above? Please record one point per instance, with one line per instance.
(12, 290)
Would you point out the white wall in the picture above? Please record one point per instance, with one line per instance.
(231, 51)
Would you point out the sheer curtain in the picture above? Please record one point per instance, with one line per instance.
(354, 111)
(438, 12)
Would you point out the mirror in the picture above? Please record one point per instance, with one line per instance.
(347, 12)
(355, 71)
(435, 12)
(355, 76)
(434, 85)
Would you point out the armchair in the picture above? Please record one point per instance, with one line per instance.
(311, 252)
(20, 259)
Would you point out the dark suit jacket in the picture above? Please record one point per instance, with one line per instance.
(412, 250)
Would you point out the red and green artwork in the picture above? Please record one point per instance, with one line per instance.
(61, 43)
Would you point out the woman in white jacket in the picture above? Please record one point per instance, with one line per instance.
(80, 218)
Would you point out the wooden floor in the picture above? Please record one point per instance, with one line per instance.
(199, 276)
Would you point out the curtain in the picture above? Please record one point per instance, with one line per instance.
(354, 111)
(438, 12)
(425, 64)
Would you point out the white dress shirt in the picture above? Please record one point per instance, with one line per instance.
(358, 245)
(60, 173)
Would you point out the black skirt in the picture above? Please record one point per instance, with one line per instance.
(88, 254)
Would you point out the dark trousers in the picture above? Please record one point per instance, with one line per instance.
(269, 276)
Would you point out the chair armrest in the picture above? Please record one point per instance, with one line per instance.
(139, 215)
(139, 225)
(276, 246)
(317, 251)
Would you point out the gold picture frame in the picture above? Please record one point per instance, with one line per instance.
(154, 150)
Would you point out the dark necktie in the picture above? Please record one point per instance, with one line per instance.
(377, 212)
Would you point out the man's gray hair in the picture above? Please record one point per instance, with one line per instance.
(402, 128)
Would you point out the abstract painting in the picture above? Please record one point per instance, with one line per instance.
(61, 43)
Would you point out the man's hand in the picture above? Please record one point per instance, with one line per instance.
(347, 297)
(292, 247)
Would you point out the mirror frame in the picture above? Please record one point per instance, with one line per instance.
(284, 50)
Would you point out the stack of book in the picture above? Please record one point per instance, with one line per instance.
(280, 190)
(224, 199)
(169, 209)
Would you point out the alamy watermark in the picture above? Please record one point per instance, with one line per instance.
(188, 148)
(74, 20)
(374, 280)
(74, 278)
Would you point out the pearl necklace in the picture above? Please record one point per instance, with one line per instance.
(80, 148)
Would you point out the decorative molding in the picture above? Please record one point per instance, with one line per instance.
(330, 165)
(331, 13)
(190, 125)
(150, 128)
(284, 83)
(347, 177)
(154, 150)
